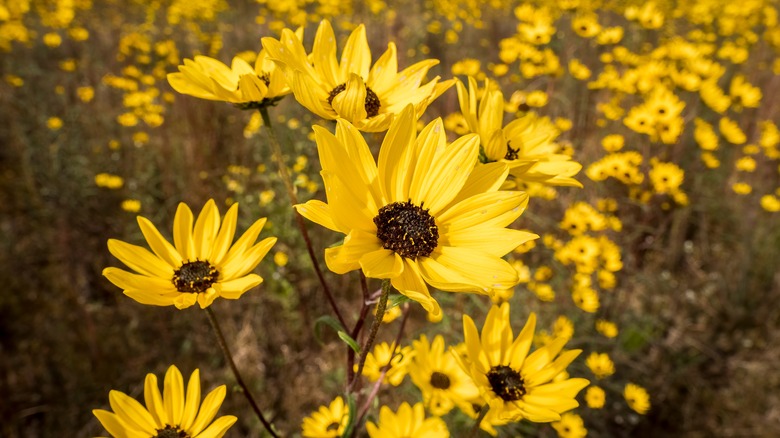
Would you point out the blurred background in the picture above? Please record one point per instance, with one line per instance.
(671, 107)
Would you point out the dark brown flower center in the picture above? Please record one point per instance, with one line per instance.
(171, 432)
(333, 427)
(440, 380)
(195, 276)
(407, 229)
(506, 383)
(372, 103)
(511, 153)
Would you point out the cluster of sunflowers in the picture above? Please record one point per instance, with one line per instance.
(426, 213)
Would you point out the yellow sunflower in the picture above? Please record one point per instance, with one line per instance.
(368, 97)
(436, 372)
(327, 422)
(241, 84)
(170, 414)
(423, 214)
(200, 266)
(515, 384)
(526, 144)
(409, 421)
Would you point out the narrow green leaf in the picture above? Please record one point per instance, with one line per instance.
(351, 342)
(397, 300)
(330, 322)
(352, 405)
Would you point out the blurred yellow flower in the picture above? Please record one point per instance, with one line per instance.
(131, 205)
(85, 93)
(52, 39)
(515, 384)
(170, 414)
(280, 258)
(408, 421)
(770, 203)
(606, 328)
(637, 398)
(595, 397)
(54, 123)
(570, 426)
(383, 355)
(600, 365)
(201, 265)
(328, 422)
(436, 373)
(367, 97)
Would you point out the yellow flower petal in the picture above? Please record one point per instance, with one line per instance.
(382, 263)
(173, 394)
(131, 412)
(182, 232)
(208, 409)
(154, 402)
(140, 259)
(157, 242)
(350, 104)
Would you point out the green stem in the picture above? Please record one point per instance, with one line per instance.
(284, 173)
(380, 313)
(482, 412)
(239, 379)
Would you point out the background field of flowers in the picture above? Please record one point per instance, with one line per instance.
(671, 107)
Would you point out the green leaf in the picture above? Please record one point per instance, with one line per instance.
(397, 300)
(351, 342)
(352, 405)
(330, 322)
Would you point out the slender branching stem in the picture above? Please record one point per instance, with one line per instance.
(478, 421)
(380, 313)
(375, 389)
(239, 379)
(284, 173)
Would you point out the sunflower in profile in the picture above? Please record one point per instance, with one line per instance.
(328, 422)
(170, 414)
(423, 215)
(200, 266)
(368, 97)
(515, 384)
(241, 84)
(436, 372)
(526, 144)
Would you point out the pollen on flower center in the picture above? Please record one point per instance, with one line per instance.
(372, 102)
(511, 153)
(506, 383)
(195, 276)
(440, 380)
(407, 229)
(171, 432)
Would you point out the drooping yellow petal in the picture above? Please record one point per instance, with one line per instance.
(127, 280)
(319, 213)
(411, 284)
(346, 257)
(350, 104)
(382, 263)
(144, 296)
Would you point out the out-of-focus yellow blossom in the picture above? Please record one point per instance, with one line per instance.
(613, 142)
(586, 26)
(52, 39)
(744, 94)
(78, 34)
(563, 328)
(54, 123)
(68, 65)
(595, 397)
(623, 166)
(281, 258)
(328, 422)
(381, 356)
(710, 160)
(586, 299)
(570, 426)
(368, 97)
(600, 365)
(407, 421)
(648, 15)
(742, 188)
(86, 94)
(109, 181)
(714, 97)
(705, 135)
(14, 80)
(745, 164)
(131, 205)
(637, 398)
(770, 203)
(543, 291)
(666, 177)
(468, 67)
(731, 131)
(610, 35)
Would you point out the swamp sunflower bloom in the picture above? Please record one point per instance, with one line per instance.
(409, 421)
(515, 384)
(200, 266)
(328, 422)
(244, 85)
(170, 414)
(368, 97)
(526, 144)
(423, 215)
